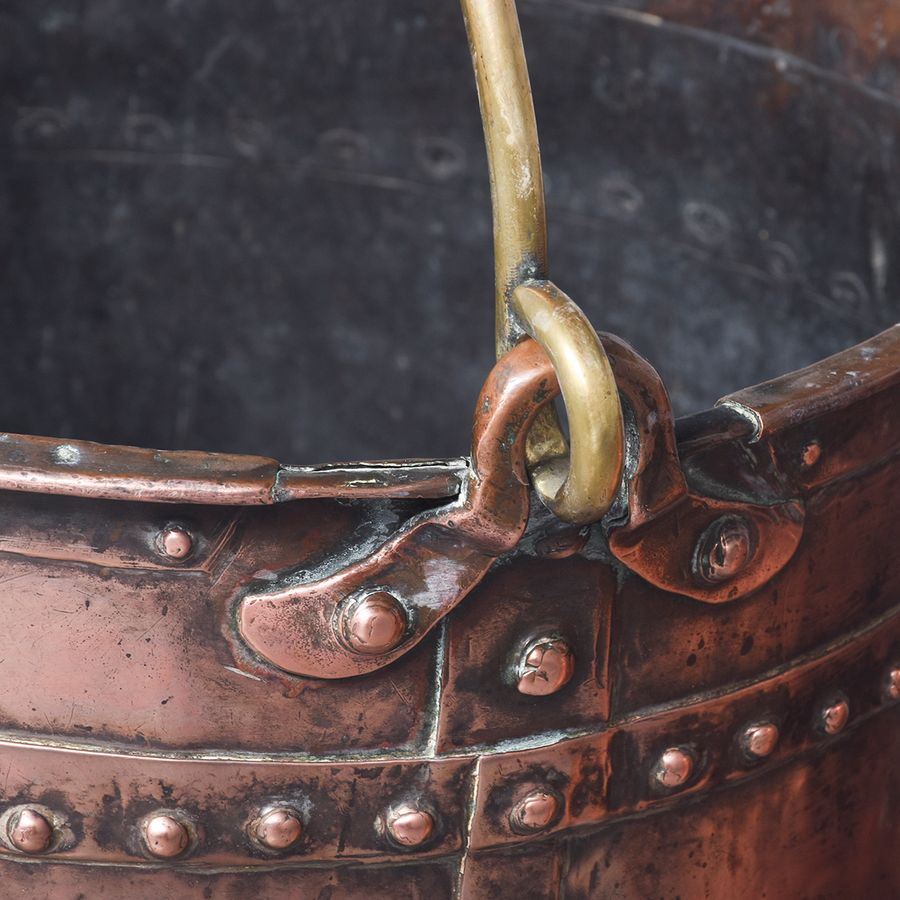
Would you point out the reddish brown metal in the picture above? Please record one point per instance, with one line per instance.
(85, 469)
(674, 768)
(480, 703)
(892, 687)
(408, 825)
(673, 528)
(834, 716)
(374, 623)
(724, 550)
(430, 564)
(132, 698)
(562, 543)
(124, 805)
(759, 741)
(30, 832)
(811, 453)
(175, 542)
(547, 665)
(277, 829)
(536, 811)
(165, 836)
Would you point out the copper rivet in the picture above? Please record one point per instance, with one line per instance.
(409, 826)
(724, 550)
(545, 667)
(175, 542)
(165, 836)
(834, 716)
(278, 829)
(534, 812)
(375, 624)
(674, 768)
(30, 832)
(893, 683)
(759, 741)
(811, 453)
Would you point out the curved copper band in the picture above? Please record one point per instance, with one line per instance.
(100, 794)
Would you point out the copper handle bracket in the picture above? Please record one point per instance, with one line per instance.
(700, 540)
(368, 614)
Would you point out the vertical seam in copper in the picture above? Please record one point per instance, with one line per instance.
(440, 661)
(472, 809)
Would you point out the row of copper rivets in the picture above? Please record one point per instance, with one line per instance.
(676, 765)
(168, 834)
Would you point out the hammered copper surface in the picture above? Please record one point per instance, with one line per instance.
(725, 724)
(445, 727)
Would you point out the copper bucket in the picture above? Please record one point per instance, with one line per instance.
(611, 652)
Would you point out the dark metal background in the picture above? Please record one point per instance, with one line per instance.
(265, 227)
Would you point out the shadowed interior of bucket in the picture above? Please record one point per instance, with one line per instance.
(253, 228)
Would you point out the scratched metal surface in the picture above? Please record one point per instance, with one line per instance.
(265, 227)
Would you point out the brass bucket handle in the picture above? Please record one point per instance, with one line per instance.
(577, 483)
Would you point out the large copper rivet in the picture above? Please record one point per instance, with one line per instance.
(373, 624)
(175, 542)
(674, 768)
(724, 550)
(759, 741)
(408, 825)
(165, 837)
(30, 832)
(545, 667)
(278, 829)
(834, 716)
(892, 687)
(534, 812)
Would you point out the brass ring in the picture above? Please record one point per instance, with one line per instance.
(577, 483)
(579, 486)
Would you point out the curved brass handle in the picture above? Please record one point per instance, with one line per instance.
(514, 156)
(582, 484)
(578, 485)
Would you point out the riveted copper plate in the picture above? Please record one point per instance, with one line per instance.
(609, 773)
(597, 776)
(106, 795)
(154, 663)
(480, 702)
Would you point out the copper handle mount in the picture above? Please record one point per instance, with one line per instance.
(367, 614)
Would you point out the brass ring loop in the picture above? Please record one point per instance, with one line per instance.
(580, 486)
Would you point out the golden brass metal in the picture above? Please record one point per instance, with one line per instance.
(514, 157)
(578, 486)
